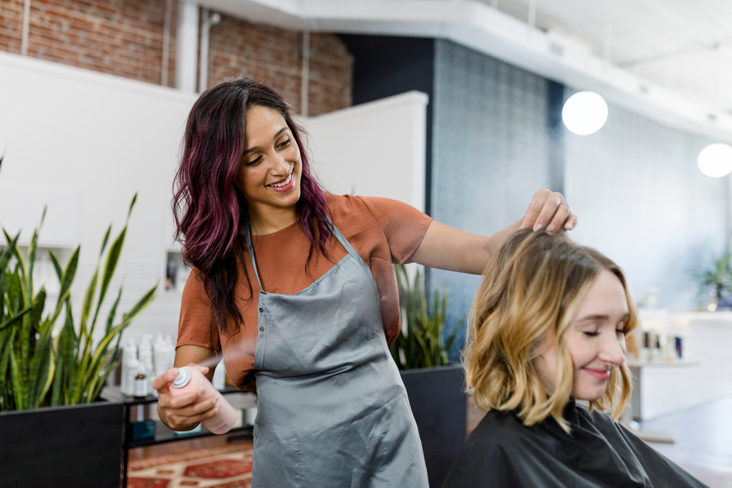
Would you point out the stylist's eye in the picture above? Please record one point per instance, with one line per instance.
(254, 162)
(285, 143)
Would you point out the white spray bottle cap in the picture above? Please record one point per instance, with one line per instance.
(184, 376)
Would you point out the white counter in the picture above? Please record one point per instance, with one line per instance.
(708, 339)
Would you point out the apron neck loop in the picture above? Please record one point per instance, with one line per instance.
(333, 228)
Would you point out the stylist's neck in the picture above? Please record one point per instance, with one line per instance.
(264, 219)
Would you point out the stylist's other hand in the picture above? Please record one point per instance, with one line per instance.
(548, 209)
(183, 412)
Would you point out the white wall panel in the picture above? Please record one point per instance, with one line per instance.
(374, 149)
(83, 143)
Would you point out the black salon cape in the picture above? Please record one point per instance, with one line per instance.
(502, 452)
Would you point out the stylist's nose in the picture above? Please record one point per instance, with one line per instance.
(612, 351)
(280, 167)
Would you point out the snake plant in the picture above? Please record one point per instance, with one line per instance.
(423, 344)
(38, 369)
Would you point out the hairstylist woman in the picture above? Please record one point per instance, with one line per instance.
(296, 287)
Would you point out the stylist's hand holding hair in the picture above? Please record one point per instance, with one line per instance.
(548, 209)
(445, 247)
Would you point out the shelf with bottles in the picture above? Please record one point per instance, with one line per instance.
(656, 348)
(145, 429)
(142, 362)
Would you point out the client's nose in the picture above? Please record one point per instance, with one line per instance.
(612, 352)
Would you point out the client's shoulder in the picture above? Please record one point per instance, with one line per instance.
(599, 419)
(499, 430)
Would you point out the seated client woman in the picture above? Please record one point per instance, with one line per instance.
(549, 327)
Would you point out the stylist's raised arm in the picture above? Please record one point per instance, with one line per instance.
(445, 247)
(184, 412)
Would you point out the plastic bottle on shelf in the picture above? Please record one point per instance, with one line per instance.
(658, 354)
(131, 368)
(191, 379)
(160, 356)
(146, 358)
(129, 353)
(645, 349)
(670, 349)
(142, 384)
(163, 356)
(171, 351)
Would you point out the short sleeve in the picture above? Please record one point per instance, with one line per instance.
(404, 226)
(196, 326)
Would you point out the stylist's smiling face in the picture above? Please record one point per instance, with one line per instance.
(271, 166)
(595, 338)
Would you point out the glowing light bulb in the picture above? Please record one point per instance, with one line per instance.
(715, 160)
(584, 113)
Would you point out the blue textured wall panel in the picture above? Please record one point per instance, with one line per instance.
(643, 202)
(491, 152)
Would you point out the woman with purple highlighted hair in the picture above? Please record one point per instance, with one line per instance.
(295, 288)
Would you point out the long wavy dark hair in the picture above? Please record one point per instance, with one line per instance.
(209, 209)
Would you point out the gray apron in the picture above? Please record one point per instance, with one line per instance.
(332, 408)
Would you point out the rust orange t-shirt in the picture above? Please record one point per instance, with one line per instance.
(381, 230)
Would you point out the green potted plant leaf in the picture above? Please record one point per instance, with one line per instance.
(434, 385)
(50, 388)
(716, 282)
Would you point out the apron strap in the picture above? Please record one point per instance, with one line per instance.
(251, 256)
(343, 240)
(336, 232)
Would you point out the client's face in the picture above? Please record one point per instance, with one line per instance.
(595, 338)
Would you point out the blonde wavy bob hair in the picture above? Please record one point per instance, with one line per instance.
(529, 294)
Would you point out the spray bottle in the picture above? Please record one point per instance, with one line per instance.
(191, 379)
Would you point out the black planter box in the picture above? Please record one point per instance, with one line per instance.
(440, 408)
(77, 446)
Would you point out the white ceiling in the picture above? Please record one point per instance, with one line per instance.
(669, 60)
(683, 45)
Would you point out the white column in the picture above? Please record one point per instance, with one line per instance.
(186, 55)
(26, 28)
(305, 80)
(203, 62)
(209, 20)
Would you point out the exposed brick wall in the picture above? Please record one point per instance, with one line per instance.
(330, 74)
(11, 25)
(125, 38)
(120, 37)
(274, 56)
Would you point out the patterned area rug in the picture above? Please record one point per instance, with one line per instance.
(217, 467)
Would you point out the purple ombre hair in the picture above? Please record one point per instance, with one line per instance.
(208, 207)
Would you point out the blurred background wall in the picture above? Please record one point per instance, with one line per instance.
(94, 95)
(137, 40)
